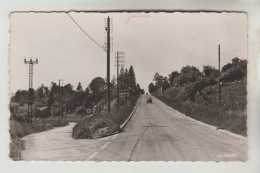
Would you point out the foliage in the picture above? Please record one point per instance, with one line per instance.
(151, 88)
(237, 70)
(188, 74)
(79, 88)
(172, 77)
(97, 85)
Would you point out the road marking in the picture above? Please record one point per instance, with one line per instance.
(105, 145)
(92, 156)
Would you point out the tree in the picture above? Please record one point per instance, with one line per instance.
(158, 80)
(68, 89)
(151, 88)
(172, 77)
(165, 84)
(79, 88)
(211, 75)
(97, 85)
(51, 99)
(41, 92)
(237, 70)
(209, 70)
(226, 67)
(189, 74)
(21, 96)
(235, 60)
(138, 89)
(131, 78)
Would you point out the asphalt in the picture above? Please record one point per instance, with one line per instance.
(157, 132)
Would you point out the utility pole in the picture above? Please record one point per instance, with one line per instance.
(108, 64)
(126, 77)
(59, 98)
(117, 64)
(219, 84)
(30, 91)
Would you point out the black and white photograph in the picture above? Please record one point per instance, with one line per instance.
(128, 86)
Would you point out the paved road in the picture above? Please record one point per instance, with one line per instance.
(154, 133)
(159, 133)
(58, 145)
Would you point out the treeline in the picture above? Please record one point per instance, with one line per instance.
(57, 100)
(194, 80)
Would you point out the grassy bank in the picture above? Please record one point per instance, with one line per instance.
(19, 129)
(230, 115)
(102, 124)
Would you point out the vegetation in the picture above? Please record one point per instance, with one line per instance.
(100, 123)
(19, 129)
(195, 94)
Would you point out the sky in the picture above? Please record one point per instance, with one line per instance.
(152, 42)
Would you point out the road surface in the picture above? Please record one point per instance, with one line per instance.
(155, 132)
(58, 145)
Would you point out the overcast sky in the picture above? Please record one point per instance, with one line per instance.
(152, 42)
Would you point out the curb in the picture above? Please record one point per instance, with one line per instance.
(208, 125)
(122, 125)
(126, 121)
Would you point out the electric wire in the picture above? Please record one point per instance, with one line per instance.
(86, 33)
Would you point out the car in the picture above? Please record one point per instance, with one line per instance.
(149, 100)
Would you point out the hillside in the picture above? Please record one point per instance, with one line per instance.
(230, 115)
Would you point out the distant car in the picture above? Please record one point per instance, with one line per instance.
(149, 100)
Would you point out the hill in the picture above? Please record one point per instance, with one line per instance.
(196, 94)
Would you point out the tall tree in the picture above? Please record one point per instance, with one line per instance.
(79, 88)
(158, 79)
(97, 85)
(172, 77)
(131, 78)
(68, 89)
(151, 88)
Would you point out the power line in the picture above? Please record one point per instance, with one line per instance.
(86, 33)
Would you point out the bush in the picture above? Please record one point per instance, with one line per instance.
(80, 110)
(101, 124)
(42, 113)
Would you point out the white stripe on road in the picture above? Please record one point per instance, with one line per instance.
(92, 156)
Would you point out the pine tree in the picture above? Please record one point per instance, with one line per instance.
(79, 88)
(131, 76)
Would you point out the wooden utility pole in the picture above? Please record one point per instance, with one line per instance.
(59, 97)
(117, 66)
(30, 91)
(126, 77)
(219, 84)
(108, 64)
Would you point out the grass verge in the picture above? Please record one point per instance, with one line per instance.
(102, 124)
